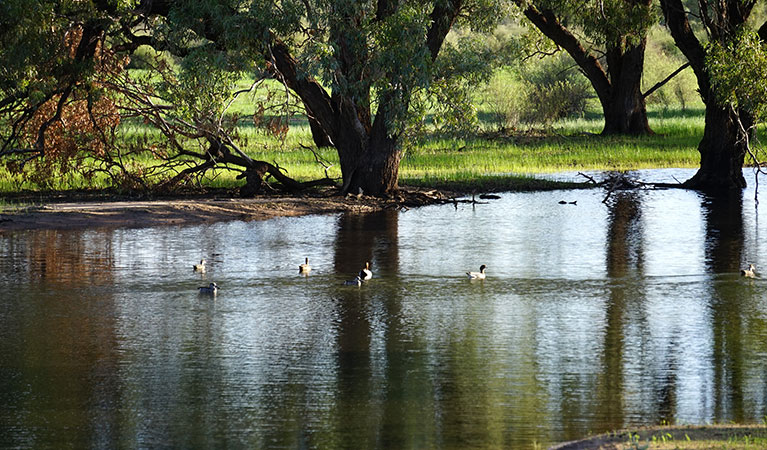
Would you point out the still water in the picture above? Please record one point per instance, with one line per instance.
(593, 317)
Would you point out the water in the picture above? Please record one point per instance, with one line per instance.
(594, 316)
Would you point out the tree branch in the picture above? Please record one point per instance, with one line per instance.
(551, 27)
(660, 84)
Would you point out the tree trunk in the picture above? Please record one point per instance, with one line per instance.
(725, 141)
(625, 109)
(319, 135)
(374, 169)
(722, 151)
(618, 87)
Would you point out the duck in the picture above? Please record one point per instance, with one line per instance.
(366, 274)
(357, 281)
(210, 289)
(199, 267)
(305, 267)
(750, 272)
(478, 275)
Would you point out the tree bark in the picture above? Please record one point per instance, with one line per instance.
(727, 130)
(319, 136)
(722, 150)
(377, 170)
(625, 109)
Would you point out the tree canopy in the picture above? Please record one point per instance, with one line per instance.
(359, 69)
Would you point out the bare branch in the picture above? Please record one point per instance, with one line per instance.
(660, 84)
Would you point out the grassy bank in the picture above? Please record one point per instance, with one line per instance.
(488, 161)
(730, 437)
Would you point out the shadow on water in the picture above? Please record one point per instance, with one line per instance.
(725, 236)
(624, 264)
(593, 317)
(368, 320)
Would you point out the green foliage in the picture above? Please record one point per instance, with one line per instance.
(145, 58)
(606, 22)
(465, 63)
(738, 72)
(504, 99)
(662, 58)
(203, 87)
(554, 89)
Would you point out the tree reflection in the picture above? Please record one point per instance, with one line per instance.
(58, 356)
(625, 266)
(69, 257)
(724, 253)
(367, 319)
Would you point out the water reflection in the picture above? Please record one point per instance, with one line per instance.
(365, 316)
(724, 251)
(625, 264)
(593, 317)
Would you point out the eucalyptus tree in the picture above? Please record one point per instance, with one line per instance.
(613, 32)
(727, 55)
(358, 67)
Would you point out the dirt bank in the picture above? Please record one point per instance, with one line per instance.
(100, 213)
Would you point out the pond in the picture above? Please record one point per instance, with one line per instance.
(594, 316)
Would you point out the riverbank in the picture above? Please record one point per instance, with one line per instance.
(731, 437)
(79, 210)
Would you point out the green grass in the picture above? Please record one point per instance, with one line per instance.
(730, 437)
(484, 162)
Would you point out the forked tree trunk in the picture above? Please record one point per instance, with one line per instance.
(618, 87)
(319, 135)
(722, 151)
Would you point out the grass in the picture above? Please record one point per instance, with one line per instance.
(485, 162)
(730, 437)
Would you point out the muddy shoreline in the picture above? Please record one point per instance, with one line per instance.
(59, 213)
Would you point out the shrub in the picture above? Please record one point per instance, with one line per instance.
(555, 89)
(503, 99)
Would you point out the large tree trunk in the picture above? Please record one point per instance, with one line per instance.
(722, 151)
(319, 135)
(624, 105)
(725, 140)
(377, 169)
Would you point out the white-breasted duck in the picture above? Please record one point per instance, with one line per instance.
(478, 275)
(305, 267)
(366, 274)
(750, 272)
(199, 267)
(210, 289)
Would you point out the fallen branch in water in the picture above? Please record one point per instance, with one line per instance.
(620, 182)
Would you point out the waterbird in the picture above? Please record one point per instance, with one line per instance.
(305, 268)
(366, 274)
(199, 267)
(357, 281)
(478, 275)
(562, 202)
(210, 289)
(489, 196)
(750, 272)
